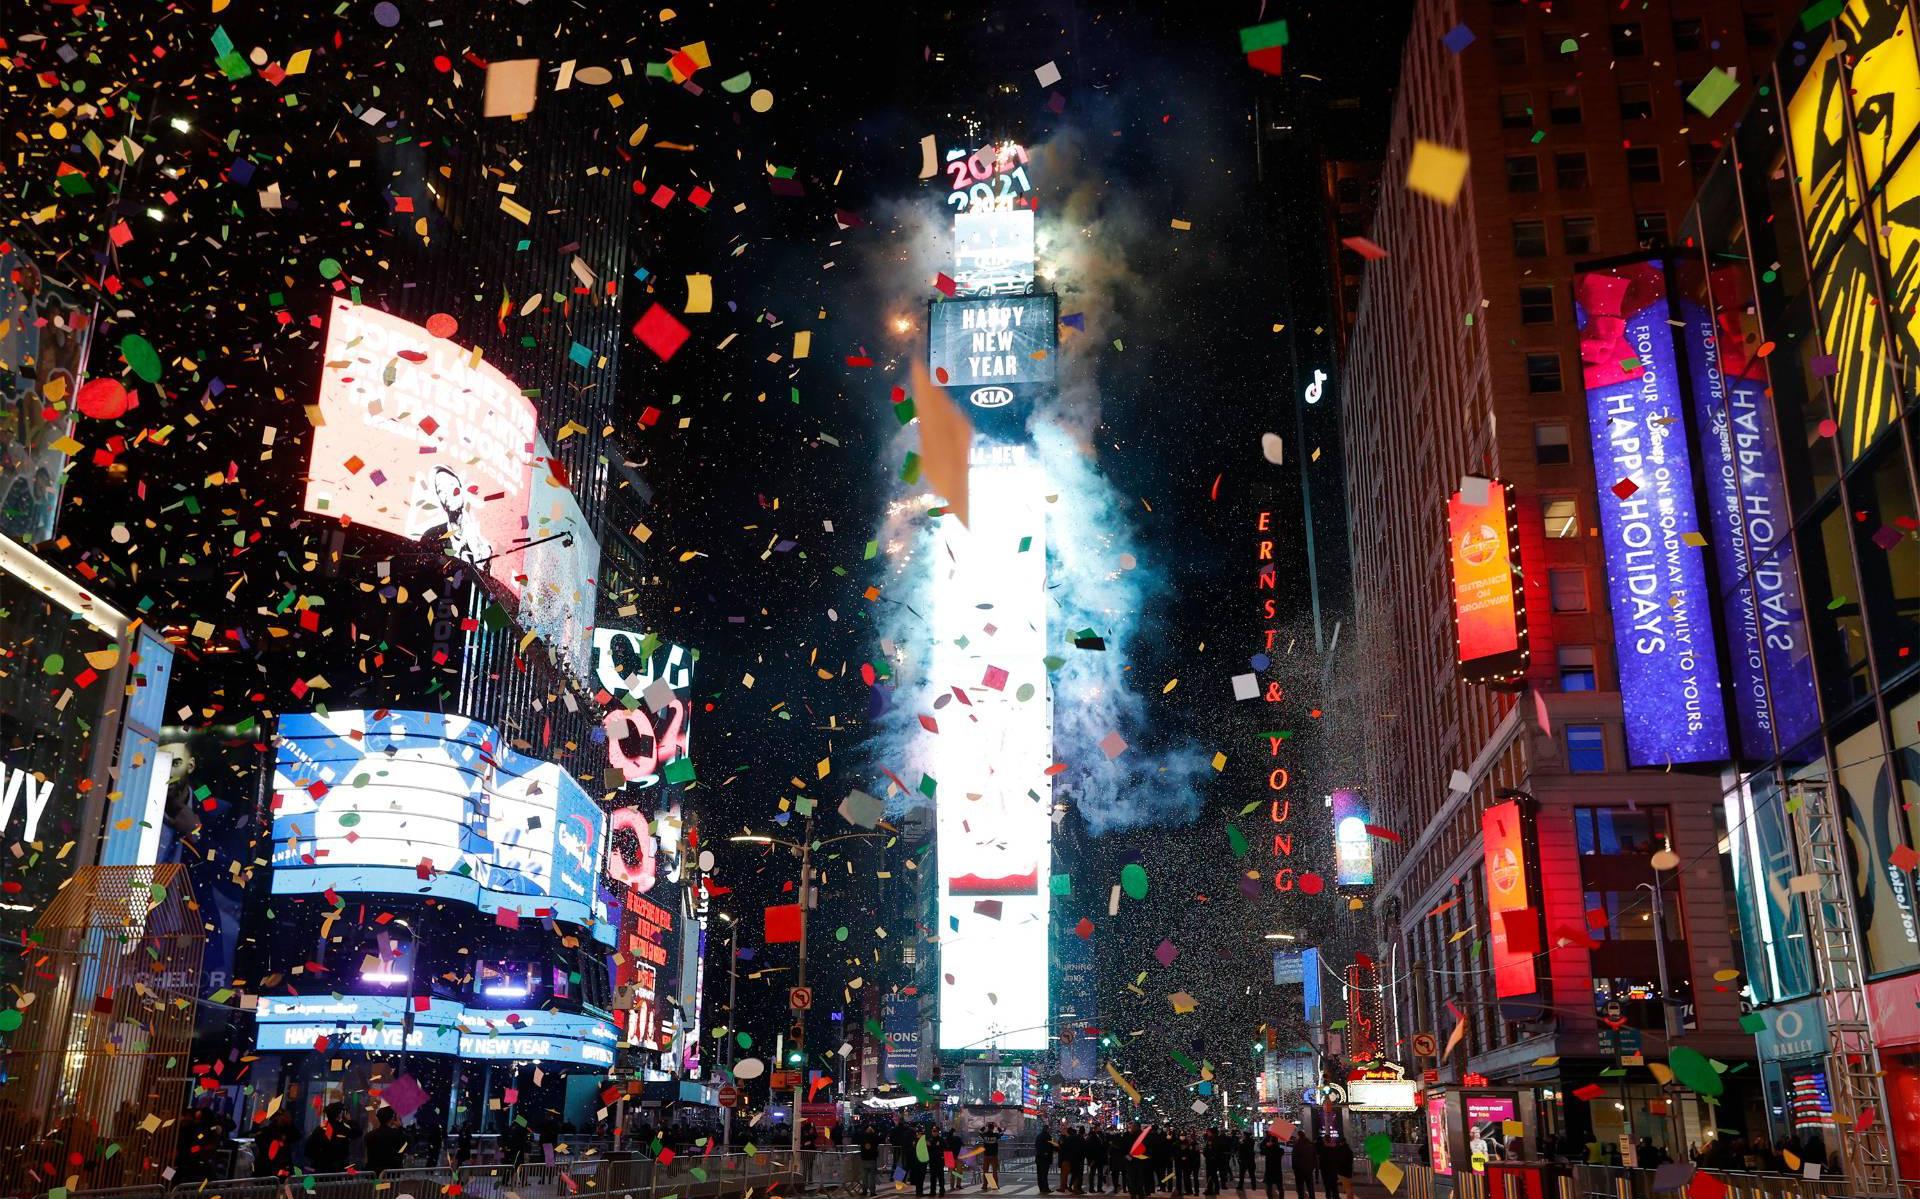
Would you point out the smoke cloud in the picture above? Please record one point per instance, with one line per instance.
(1099, 578)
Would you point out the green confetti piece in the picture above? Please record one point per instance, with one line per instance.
(1539, 135)
(904, 411)
(1117, 344)
(910, 469)
(1061, 884)
(737, 84)
(1820, 12)
(1753, 1022)
(1254, 38)
(10, 1019)
(1236, 841)
(54, 664)
(1023, 692)
(1133, 880)
(1569, 46)
(840, 934)
(873, 549)
(329, 268)
(1713, 90)
(141, 357)
(1379, 1147)
(1836, 603)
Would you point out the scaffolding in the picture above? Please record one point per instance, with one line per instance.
(1853, 1061)
(97, 1069)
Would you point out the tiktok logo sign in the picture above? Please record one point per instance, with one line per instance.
(648, 685)
(1316, 388)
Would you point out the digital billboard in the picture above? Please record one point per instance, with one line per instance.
(648, 726)
(993, 253)
(1504, 846)
(561, 566)
(900, 1018)
(1650, 519)
(994, 800)
(642, 971)
(295, 1023)
(1770, 668)
(1352, 843)
(992, 348)
(421, 803)
(418, 437)
(1489, 606)
(43, 353)
(1772, 918)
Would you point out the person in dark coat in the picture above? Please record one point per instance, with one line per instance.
(1273, 1157)
(869, 1160)
(386, 1144)
(1336, 1163)
(1245, 1155)
(276, 1148)
(1073, 1147)
(330, 1142)
(1306, 1163)
(1043, 1157)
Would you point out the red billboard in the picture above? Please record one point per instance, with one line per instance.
(1489, 606)
(1516, 926)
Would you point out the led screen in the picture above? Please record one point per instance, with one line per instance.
(420, 803)
(296, 1023)
(989, 344)
(900, 1017)
(1504, 844)
(994, 800)
(1771, 674)
(1650, 519)
(419, 437)
(993, 253)
(561, 566)
(1353, 844)
(43, 352)
(648, 724)
(1488, 615)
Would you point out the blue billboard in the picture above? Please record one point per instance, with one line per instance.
(1650, 519)
(421, 803)
(1770, 670)
(295, 1023)
(1352, 842)
(1310, 986)
(900, 1017)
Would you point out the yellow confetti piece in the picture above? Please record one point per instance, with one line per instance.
(1181, 225)
(1219, 761)
(297, 65)
(1171, 684)
(516, 211)
(1437, 172)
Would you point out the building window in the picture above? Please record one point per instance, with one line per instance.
(1543, 373)
(1627, 42)
(1636, 101)
(1564, 108)
(1576, 674)
(1516, 110)
(1586, 754)
(1536, 305)
(1550, 447)
(1529, 239)
(1759, 30)
(1686, 33)
(1551, 41)
(1643, 164)
(1561, 518)
(1641, 832)
(1523, 174)
(1576, 234)
(1568, 589)
(1700, 159)
(1509, 49)
(1570, 171)
(1650, 228)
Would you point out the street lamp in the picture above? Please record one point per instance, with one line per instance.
(733, 1034)
(804, 847)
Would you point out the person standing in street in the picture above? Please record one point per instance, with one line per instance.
(921, 1154)
(1248, 1177)
(1072, 1146)
(1043, 1157)
(1306, 1163)
(869, 1160)
(990, 1157)
(330, 1142)
(1273, 1160)
(386, 1144)
(1330, 1165)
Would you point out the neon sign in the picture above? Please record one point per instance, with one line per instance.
(1317, 388)
(992, 177)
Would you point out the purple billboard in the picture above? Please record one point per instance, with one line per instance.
(1769, 671)
(1650, 520)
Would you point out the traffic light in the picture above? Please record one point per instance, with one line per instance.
(796, 1043)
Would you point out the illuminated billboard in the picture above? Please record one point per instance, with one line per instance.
(1489, 605)
(1353, 844)
(989, 346)
(994, 803)
(649, 725)
(296, 1023)
(900, 1019)
(1650, 519)
(561, 568)
(419, 437)
(420, 803)
(993, 253)
(1503, 835)
(1770, 669)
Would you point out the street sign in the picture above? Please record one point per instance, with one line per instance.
(1430, 1077)
(799, 998)
(784, 1080)
(729, 1096)
(1425, 1044)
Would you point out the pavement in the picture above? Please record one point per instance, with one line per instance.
(1015, 1187)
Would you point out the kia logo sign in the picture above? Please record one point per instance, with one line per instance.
(990, 397)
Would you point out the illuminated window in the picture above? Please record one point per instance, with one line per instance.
(1536, 305)
(1570, 171)
(1529, 239)
(1568, 589)
(1550, 445)
(1643, 164)
(1686, 33)
(1577, 672)
(1523, 174)
(1636, 101)
(1561, 516)
(1586, 754)
(1650, 228)
(1516, 110)
(1627, 42)
(1543, 373)
(1576, 234)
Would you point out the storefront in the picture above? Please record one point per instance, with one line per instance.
(1793, 1071)
(1895, 1007)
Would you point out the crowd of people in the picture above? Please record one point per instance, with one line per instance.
(1190, 1162)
